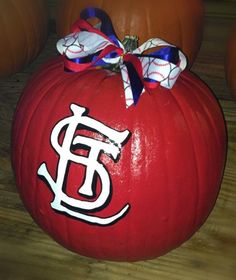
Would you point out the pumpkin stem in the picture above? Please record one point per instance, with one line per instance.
(130, 43)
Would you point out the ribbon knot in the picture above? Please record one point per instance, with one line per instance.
(97, 46)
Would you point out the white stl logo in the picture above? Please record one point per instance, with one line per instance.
(69, 205)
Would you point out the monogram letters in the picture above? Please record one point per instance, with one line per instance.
(75, 207)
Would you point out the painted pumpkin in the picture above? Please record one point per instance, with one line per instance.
(23, 28)
(177, 22)
(230, 63)
(115, 183)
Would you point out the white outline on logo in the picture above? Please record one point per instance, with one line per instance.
(75, 207)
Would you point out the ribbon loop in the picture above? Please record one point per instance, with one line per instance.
(87, 47)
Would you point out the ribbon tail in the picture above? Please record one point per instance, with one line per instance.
(127, 88)
(133, 86)
(90, 48)
(106, 26)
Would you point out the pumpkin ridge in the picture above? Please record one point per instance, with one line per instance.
(25, 32)
(161, 132)
(26, 93)
(73, 79)
(175, 100)
(66, 240)
(9, 46)
(207, 118)
(36, 194)
(127, 19)
(147, 21)
(130, 198)
(17, 135)
(210, 100)
(55, 86)
(182, 42)
(210, 120)
(210, 117)
(197, 92)
(35, 37)
(21, 43)
(201, 105)
(28, 88)
(28, 126)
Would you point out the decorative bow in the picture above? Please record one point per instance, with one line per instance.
(88, 47)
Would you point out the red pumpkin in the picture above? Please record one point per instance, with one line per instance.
(150, 173)
(23, 29)
(179, 22)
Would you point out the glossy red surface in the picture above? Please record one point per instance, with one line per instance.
(169, 171)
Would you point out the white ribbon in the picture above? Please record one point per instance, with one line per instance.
(84, 43)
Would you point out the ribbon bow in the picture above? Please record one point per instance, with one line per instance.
(97, 46)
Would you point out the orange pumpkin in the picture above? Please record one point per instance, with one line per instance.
(230, 63)
(23, 29)
(179, 22)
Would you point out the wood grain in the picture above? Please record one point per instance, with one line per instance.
(27, 253)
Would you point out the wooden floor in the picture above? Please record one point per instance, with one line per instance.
(27, 253)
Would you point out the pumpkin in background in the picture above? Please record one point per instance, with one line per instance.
(23, 28)
(179, 22)
(164, 184)
(230, 63)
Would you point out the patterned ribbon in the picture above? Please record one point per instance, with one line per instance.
(89, 47)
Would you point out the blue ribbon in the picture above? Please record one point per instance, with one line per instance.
(106, 24)
(170, 54)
